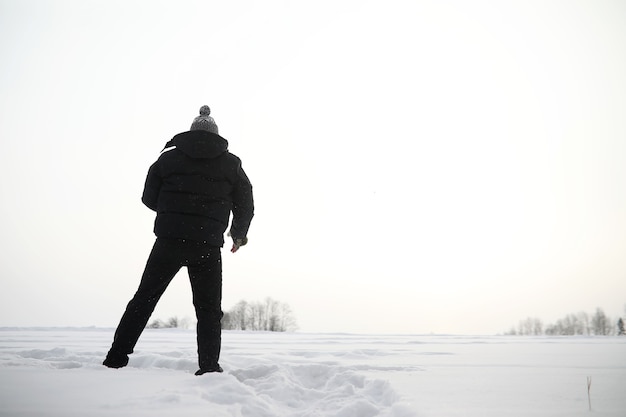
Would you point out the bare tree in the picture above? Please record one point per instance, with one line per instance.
(600, 323)
(525, 327)
(238, 317)
(287, 319)
(257, 316)
(173, 322)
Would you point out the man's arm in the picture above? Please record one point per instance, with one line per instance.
(152, 188)
(243, 209)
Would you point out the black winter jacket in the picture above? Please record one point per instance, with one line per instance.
(194, 186)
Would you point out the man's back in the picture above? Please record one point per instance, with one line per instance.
(193, 187)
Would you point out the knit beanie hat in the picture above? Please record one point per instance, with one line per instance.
(204, 121)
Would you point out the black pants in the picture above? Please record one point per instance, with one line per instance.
(168, 256)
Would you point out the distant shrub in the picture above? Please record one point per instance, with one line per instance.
(171, 323)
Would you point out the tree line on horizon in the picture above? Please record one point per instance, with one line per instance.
(580, 324)
(267, 315)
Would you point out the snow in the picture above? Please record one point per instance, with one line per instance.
(58, 372)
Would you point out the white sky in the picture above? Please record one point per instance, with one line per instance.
(418, 166)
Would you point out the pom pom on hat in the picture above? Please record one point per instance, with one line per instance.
(205, 110)
(204, 121)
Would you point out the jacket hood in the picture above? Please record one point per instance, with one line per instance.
(199, 144)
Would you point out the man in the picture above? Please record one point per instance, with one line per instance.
(193, 187)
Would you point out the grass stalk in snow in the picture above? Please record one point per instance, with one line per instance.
(589, 391)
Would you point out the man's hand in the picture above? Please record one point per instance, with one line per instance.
(237, 243)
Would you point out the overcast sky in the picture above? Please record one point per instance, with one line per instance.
(418, 166)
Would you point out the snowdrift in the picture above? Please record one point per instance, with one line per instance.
(58, 372)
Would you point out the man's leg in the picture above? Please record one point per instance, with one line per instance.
(206, 285)
(162, 265)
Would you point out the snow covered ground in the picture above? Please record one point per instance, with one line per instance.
(57, 372)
